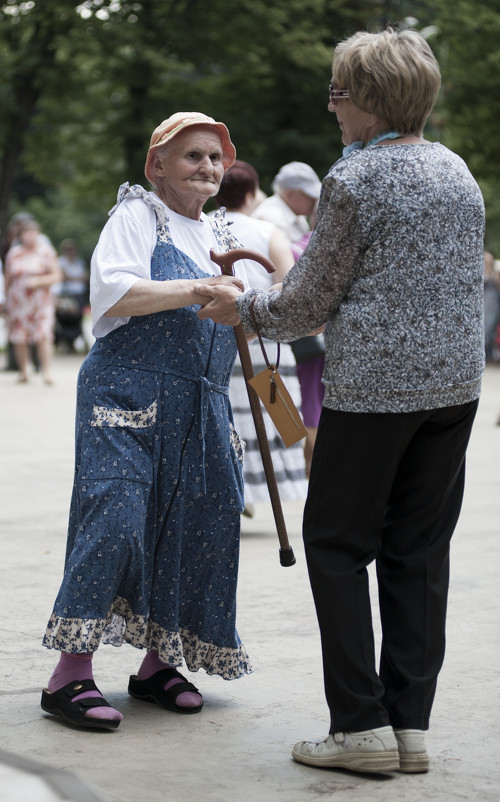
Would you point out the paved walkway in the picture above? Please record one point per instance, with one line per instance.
(238, 747)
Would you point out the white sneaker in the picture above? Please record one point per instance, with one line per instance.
(371, 751)
(413, 757)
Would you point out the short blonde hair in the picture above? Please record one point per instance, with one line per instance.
(392, 74)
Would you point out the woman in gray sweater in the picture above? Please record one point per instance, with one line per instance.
(394, 270)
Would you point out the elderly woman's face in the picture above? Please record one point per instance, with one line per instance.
(189, 169)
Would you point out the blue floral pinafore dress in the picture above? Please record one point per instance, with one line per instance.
(153, 540)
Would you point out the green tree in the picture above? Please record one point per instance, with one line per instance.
(469, 52)
(465, 36)
(85, 83)
(29, 38)
(112, 70)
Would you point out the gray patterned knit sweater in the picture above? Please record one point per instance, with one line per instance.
(395, 270)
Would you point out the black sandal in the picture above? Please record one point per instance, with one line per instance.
(60, 703)
(153, 690)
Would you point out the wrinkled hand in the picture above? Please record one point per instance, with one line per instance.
(220, 300)
(200, 284)
(231, 281)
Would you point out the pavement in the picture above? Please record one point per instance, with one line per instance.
(238, 747)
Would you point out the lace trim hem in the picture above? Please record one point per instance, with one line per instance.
(76, 635)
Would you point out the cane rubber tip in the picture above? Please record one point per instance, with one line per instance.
(287, 557)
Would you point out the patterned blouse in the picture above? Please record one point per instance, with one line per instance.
(395, 270)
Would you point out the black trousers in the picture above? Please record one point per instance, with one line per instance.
(389, 488)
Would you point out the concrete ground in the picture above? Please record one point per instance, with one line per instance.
(238, 747)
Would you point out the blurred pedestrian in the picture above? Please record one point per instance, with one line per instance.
(72, 294)
(10, 238)
(75, 277)
(11, 234)
(31, 269)
(296, 189)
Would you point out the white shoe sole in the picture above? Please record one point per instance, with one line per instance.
(365, 762)
(413, 763)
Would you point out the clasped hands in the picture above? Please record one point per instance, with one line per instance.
(218, 295)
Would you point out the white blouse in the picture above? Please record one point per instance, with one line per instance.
(123, 255)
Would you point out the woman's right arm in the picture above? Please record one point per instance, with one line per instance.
(120, 283)
(147, 297)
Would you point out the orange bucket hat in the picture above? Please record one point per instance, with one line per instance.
(179, 122)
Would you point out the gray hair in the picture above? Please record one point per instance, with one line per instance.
(392, 74)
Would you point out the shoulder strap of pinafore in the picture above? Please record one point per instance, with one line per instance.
(221, 228)
(127, 192)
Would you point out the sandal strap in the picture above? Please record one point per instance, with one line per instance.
(93, 701)
(181, 687)
(155, 684)
(160, 679)
(77, 687)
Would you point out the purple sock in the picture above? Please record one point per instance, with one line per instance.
(72, 667)
(151, 664)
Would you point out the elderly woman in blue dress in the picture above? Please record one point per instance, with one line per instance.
(152, 553)
(394, 270)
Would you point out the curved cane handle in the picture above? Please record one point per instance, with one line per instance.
(226, 260)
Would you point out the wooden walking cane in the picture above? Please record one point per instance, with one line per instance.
(225, 262)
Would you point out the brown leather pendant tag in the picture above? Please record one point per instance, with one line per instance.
(271, 390)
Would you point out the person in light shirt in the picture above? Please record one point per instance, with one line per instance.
(296, 189)
(153, 539)
(31, 270)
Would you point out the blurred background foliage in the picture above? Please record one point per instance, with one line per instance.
(83, 84)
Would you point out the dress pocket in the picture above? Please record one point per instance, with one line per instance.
(117, 442)
(131, 419)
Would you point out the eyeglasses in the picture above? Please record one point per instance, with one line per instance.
(337, 94)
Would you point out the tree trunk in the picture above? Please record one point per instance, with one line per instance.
(27, 98)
